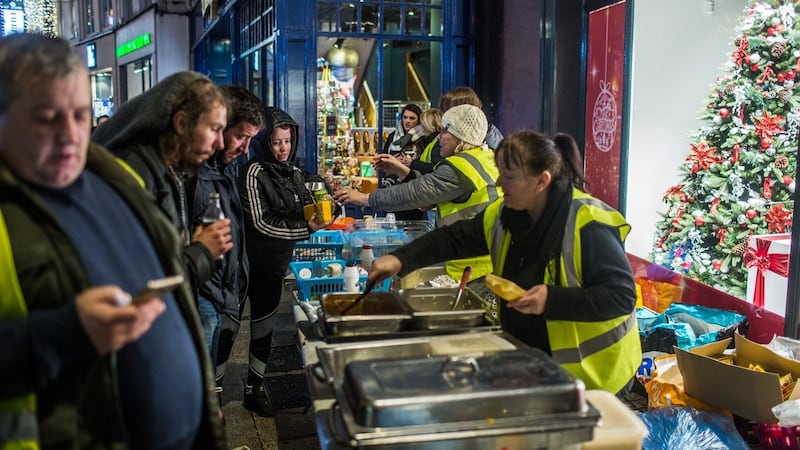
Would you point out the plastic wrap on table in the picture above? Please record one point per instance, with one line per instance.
(787, 413)
(786, 347)
(679, 428)
(688, 326)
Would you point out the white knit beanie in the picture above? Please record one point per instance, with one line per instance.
(467, 123)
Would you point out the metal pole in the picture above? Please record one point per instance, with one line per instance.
(791, 327)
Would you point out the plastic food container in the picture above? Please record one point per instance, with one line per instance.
(619, 428)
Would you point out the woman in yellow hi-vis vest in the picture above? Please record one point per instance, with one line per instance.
(563, 247)
(461, 185)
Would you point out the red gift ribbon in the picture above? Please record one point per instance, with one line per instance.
(760, 258)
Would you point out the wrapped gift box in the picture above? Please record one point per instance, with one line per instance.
(767, 262)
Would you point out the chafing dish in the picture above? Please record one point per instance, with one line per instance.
(430, 308)
(516, 396)
(379, 313)
(334, 359)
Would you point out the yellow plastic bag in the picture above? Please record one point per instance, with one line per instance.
(658, 295)
(665, 388)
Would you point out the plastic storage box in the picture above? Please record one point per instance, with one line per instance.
(322, 245)
(385, 236)
(321, 281)
(619, 428)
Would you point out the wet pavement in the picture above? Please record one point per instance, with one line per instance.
(293, 425)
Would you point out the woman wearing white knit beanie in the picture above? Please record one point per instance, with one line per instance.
(465, 123)
(460, 186)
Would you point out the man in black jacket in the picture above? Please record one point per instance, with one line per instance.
(221, 297)
(80, 366)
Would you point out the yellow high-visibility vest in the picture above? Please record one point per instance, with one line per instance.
(18, 427)
(605, 354)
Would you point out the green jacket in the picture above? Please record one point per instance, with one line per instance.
(80, 408)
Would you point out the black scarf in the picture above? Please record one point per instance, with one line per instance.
(532, 246)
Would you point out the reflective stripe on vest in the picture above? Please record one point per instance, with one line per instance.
(575, 221)
(595, 344)
(18, 427)
(478, 166)
(606, 354)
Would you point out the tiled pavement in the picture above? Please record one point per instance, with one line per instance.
(293, 425)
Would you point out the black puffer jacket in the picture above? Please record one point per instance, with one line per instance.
(273, 194)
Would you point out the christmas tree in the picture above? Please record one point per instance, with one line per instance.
(738, 178)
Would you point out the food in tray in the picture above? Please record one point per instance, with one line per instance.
(505, 289)
(376, 303)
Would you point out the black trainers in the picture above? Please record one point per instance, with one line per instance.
(256, 399)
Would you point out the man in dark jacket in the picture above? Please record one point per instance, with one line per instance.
(273, 194)
(80, 366)
(221, 297)
(165, 134)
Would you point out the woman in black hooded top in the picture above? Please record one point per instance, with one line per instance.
(273, 193)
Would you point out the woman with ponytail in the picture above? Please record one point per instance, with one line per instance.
(562, 246)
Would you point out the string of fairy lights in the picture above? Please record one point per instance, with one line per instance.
(40, 16)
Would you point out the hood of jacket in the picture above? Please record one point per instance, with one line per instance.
(260, 144)
(143, 118)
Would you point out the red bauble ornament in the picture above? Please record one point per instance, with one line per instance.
(771, 31)
(716, 264)
(686, 265)
(780, 77)
(790, 75)
(751, 213)
(787, 180)
(724, 113)
(754, 67)
(766, 143)
(698, 221)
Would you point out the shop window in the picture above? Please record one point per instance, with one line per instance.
(261, 74)
(89, 17)
(138, 76)
(257, 23)
(400, 17)
(102, 94)
(107, 13)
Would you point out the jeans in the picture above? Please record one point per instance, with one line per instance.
(210, 319)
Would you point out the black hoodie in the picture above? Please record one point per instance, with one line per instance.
(273, 194)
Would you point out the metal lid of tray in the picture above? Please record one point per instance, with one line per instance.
(446, 389)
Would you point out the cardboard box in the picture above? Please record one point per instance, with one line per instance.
(767, 262)
(736, 388)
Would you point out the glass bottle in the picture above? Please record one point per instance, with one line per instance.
(213, 211)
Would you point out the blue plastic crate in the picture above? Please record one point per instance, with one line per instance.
(322, 245)
(320, 282)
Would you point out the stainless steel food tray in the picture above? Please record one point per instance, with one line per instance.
(379, 313)
(431, 308)
(333, 359)
(547, 431)
(445, 389)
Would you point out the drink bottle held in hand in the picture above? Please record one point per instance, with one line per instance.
(213, 211)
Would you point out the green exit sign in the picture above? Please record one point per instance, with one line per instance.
(134, 44)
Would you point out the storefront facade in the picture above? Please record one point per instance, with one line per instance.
(342, 69)
(127, 49)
